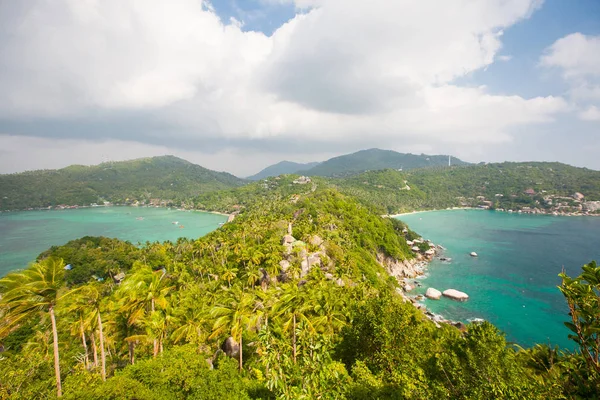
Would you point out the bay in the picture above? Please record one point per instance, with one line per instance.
(513, 282)
(24, 235)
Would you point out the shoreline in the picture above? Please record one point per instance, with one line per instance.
(425, 211)
(113, 205)
(549, 214)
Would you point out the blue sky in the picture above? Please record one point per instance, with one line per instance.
(239, 84)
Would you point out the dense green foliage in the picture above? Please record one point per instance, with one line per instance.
(436, 188)
(281, 168)
(164, 178)
(331, 328)
(375, 159)
(98, 257)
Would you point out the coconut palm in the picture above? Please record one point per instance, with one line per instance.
(94, 296)
(229, 275)
(33, 291)
(191, 317)
(235, 312)
(148, 290)
(294, 307)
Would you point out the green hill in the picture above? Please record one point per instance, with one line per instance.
(517, 186)
(165, 178)
(375, 159)
(283, 167)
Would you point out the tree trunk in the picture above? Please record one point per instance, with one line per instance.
(85, 348)
(94, 349)
(131, 352)
(155, 343)
(240, 351)
(56, 359)
(102, 355)
(294, 339)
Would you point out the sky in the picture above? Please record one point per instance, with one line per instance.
(237, 85)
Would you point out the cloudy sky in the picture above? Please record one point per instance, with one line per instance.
(237, 85)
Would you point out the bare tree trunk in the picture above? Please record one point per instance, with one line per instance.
(131, 352)
(240, 351)
(102, 355)
(155, 343)
(94, 349)
(56, 359)
(294, 338)
(85, 348)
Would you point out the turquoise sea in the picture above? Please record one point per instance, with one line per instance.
(24, 235)
(513, 283)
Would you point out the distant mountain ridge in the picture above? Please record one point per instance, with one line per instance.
(164, 177)
(283, 167)
(376, 159)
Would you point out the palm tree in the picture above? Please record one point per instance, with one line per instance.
(79, 307)
(229, 275)
(30, 292)
(294, 307)
(192, 317)
(235, 312)
(147, 289)
(94, 296)
(330, 308)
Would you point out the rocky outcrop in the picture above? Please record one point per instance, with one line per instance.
(433, 294)
(308, 262)
(284, 264)
(401, 269)
(316, 241)
(591, 206)
(456, 295)
(288, 239)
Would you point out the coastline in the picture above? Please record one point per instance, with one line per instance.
(425, 211)
(519, 212)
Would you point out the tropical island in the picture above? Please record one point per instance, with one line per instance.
(302, 295)
(528, 187)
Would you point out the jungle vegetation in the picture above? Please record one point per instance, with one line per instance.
(334, 329)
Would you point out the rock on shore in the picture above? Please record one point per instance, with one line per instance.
(433, 294)
(456, 295)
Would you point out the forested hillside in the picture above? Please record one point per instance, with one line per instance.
(283, 167)
(504, 185)
(376, 159)
(288, 301)
(164, 178)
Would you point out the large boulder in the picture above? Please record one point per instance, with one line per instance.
(230, 347)
(284, 264)
(456, 295)
(308, 262)
(288, 239)
(316, 240)
(433, 294)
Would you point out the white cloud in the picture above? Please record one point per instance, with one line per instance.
(343, 70)
(301, 4)
(592, 113)
(577, 57)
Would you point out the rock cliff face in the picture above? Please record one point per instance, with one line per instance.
(402, 269)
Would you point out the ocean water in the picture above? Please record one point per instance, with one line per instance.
(513, 283)
(24, 235)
